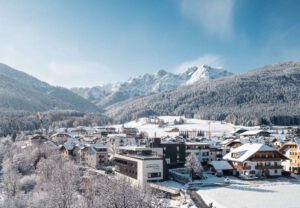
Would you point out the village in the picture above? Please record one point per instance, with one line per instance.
(195, 162)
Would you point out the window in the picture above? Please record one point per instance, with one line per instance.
(275, 171)
(154, 175)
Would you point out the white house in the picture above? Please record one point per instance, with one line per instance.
(256, 160)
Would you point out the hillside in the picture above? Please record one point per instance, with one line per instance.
(22, 92)
(266, 95)
(147, 84)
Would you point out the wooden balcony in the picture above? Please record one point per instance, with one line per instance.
(259, 159)
(268, 167)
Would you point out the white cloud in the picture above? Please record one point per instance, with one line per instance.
(208, 59)
(215, 16)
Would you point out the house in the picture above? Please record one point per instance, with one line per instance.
(292, 151)
(256, 133)
(90, 139)
(78, 132)
(256, 160)
(60, 138)
(95, 155)
(239, 131)
(120, 140)
(202, 150)
(38, 139)
(231, 144)
(130, 132)
(140, 163)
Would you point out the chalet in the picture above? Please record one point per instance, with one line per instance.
(78, 132)
(130, 132)
(104, 131)
(93, 155)
(38, 139)
(292, 151)
(256, 160)
(256, 133)
(231, 144)
(140, 164)
(90, 139)
(239, 131)
(60, 138)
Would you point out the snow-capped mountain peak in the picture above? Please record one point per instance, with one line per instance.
(206, 72)
(143, 85)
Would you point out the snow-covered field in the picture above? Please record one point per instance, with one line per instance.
(255, 194)
(217, 128)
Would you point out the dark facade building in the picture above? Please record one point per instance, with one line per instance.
(172, 152)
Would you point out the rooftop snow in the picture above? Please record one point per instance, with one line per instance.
(221, 165)
(247, 150)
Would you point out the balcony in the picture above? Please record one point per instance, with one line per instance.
(259, 159)
(268, 167)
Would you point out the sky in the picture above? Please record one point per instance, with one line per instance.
(84, 43)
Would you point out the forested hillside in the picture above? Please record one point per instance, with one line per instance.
(22, 92)
(269, 95)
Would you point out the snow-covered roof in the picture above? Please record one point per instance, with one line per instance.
(247, 150)
(239, 129)
(116, 135)
(134, 148)
(221, 165)
(61, 134)
(253, 132)
(297, 140)
(197, 143)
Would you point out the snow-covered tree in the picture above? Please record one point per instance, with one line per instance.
(193, 162)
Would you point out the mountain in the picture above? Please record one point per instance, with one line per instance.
(22, 92)
(147, 84)
(268, 95)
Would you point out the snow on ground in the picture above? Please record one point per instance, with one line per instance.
(255, 194)
(273, 193)
(217, 128)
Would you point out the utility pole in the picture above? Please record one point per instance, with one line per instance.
(209, 130)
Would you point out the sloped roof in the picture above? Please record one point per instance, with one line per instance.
(254, 132)
(247, 150)
(297, 140)
(221, 165)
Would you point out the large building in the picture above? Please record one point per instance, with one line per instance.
(202, 150)
(93, 155)
(140, 163)
(174, 153)
(256, 160)
(292, 151)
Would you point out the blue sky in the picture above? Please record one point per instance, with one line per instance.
(90, 42)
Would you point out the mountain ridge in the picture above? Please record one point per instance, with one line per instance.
(262, 96)
(147, 84)
(21, 91)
